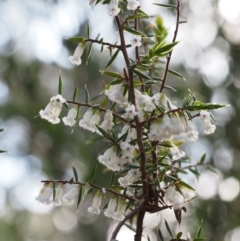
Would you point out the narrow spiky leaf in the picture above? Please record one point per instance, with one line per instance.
(60, 84)
(75, 174)
(112, 59)
(75, 93)
(168, 228)
(93, 172)
(86, 94)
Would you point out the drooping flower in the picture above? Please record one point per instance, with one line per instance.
(133, 4)
(176, 153)
(58, 196)
(132, 176)
(71, 196)
(112, 205)
(176, 198)
(116, 93)
(70, 119)
(76, 58)
(107, 123)
(45, 194)
(85, 191)
(95, 208)
(136, 41)
(131, 111)
(121, 207)
(209, 128)
(53, 109)
(90, 120)
(113, 8)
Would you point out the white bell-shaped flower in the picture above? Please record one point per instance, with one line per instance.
(209, 128)
(133, 4)
(45, 194)
(132, 176)
(96, 203)
(131, 111)
(121, 207)
(53, 109)
(71, 196)
(76, 58)
(70, 119)
(176, 153)
(58, 196)
(107, 123)
(136, 41)
(112, 205)
(116, 93)
(113, 8)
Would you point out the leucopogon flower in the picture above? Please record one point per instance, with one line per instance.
(131, 111)
(96, 203)
(57, 201)
(136, 41)
(116, 93)
(90, 120)
(71, 196)
(107, 123)
(112, 205)
(53, 109)
(76, 58)
(113, 8)
(133, 4)
(121, 207)
(132, 176)
(45, 194)
(70, 119)
(209, 128)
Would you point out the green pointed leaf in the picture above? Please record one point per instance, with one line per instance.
(86, 94)
(176, 74)
(165, 5)
(60, 84)
(2, 129)
(112, 59)
(89, 53)
(79, 196)
(77, 39)
(210, 168)
(148, 238)
(93, 172)
(54, 190)
(165, 49)
(202, 159)
(168, 228)
(160, 234)
(112, 74)
(104, 133)
(133, 31)
(75, 174)
(88, 30)
(186, 185)
(198, 105)
(71, 180)
(65, 104)
(141, 74)
(75, 93)
(112, 179)
(183, 21)
(1, 151)
(179, 235)
(138, 15)
(199, 229)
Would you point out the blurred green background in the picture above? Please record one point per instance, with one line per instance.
(33, 49)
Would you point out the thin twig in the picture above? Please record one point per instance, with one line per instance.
(92, 185)
(103, 43)
(174, 39)
(120, 224)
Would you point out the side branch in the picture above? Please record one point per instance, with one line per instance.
(92, 185)
(103, 43)
(174, 39)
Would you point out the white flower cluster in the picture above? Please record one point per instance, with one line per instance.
(114, 162)
(116, 206)
(176, 198)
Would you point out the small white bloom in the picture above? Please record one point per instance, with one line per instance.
(209, 128)
(112, 205)
(95, 208)
(71, 196)
(132, 176)
(45, 194)
(133, 4)
(85, 191)
(136, 41)
(70, 119)
(113, 8)
(131, 111)
(53, 109)
(119, 214)
(116, 93)
(58, 196)
(84, 122)
(89, 121)
(107, 123)
(176, 153)
(76, 58)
